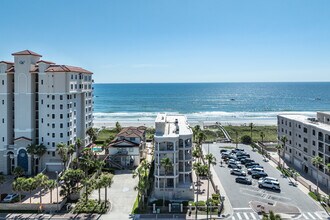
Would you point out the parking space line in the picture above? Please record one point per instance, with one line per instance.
(239, 216)
(305, 217)
(318, 215)
(311, 215)
(233, 218)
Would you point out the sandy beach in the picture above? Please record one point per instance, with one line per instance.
(149, 123)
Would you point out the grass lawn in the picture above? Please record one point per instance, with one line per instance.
(269, 131)
(104, 134)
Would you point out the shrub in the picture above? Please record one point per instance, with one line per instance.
(246, 139)
(91, 206)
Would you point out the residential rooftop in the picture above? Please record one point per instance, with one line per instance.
(174, 125)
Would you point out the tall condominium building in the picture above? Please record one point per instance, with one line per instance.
(173, 140)
(41, 103)
(307, 138)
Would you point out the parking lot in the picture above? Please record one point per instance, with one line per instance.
(241, 195)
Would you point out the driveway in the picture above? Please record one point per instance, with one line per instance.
(121, 195)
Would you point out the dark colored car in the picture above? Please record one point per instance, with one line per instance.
(237, 150)
(248, 165)
(244, 180)
(223, 150)
(259, 175)
(247, 160)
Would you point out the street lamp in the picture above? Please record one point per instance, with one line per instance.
(57, 206)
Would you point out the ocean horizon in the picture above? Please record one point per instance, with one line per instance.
(221, 102)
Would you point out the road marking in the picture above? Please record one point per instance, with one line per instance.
(320, 217)
(305, 217)
(245, 215)
(233, 218)
(311, 215)
(242, 209)
(253, 216)
(239, 216)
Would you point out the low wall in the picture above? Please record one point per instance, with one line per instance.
(31, 207)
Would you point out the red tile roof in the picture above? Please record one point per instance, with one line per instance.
(6, 62)
(11, 70)
(66, 68)
(123, 143)
(44, 61)
(132, 132)
(26, 52)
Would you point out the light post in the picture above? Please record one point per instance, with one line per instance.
(57, 206)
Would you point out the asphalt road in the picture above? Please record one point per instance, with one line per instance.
(240, 195)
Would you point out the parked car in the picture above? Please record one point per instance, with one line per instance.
(234, 161)
(237, 172)
(257, 175)
(255, 170)
(248, 165)
(247, 160)
(223, 151)
(269, 184)
(236, 150)
(234, 165)
(243, 180)
(10, 197)
(269, 179)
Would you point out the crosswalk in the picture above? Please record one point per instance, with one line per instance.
(313, 216)
(245, 216)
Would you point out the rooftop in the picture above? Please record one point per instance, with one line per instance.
(308, 121)
(132, 132)
(26, 52)
(174, 125)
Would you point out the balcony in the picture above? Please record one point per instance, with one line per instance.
(166, 148)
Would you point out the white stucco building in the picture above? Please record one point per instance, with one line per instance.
(173, 139)
(307, 138)
(41, 102)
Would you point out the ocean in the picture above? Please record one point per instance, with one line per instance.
(222, 102)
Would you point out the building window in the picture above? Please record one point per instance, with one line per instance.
(305, 149)
(61, 106)
(53, 153)
(42, 82)
(53, 116)
(61, 116)
(53, 107)
(313, 152)
(313, 143)
(53, 125)
(3, 102)
(314, 132)
(305, 130)
(61, 97)
(305, 140)
(53, 135)
(61, 135)
(3, 82)
(53, 97)
(61, 125)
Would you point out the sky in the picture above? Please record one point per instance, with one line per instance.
(150, 41)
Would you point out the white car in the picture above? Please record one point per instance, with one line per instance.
(10, 197)
(237, 172)
(270, 179)
(255, 170)
(269, 184)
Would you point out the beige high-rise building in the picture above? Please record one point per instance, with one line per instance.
(41, 103)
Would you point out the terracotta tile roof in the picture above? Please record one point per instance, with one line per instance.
(66, 68)
(26, 52)
(35, 69)
(132, 132)
(44, 61)
(11, 70)
(123, 143)
(6, 62)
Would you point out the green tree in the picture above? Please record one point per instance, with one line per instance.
(279, 148)
(201, 138)
(196, 131)
(29, 185)
(200, 171)
(78, 146)
(246, 139)
(35, 150)
(118, 127)
(18, 186)
(211, 160)
(50, 185)
(271, 216)
(236, 139)
(18, 171)
(197, 153)
(91, 132)
(62, 151)
(262, 135)
(251, 125)
(317, 161)
(284, 140)
(71, 178)
(107, 179)
(41, 183)
(166, 163)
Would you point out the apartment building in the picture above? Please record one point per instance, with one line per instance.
(173, 140)
(41, 103)
(307, 138)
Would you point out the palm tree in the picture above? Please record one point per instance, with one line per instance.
(197, 153)
(167, 164)
(51, 185)
(31, 149)
(78, 145)
(41, 182)
(236, 139)
(92, 134)
(107, 179)
(284, 140)
(211, 160)
(18, 171)
(279, 148)
(251, 128)
(271, 216)
(200, 138)
(29, 185)
(118, 127)
(198, 167)
(18, 186)
(62, 151)
(196, 131)
(317, 161)
(146, 167)
(262, 135)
